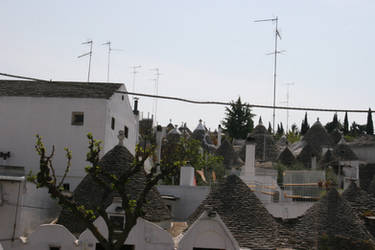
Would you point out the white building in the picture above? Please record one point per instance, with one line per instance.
(63, 113)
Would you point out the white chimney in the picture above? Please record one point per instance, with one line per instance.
(248, 171)
(219, 131)
(313, 163)
(187, 176)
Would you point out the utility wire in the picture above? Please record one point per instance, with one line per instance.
(212, 102)
(248, 105)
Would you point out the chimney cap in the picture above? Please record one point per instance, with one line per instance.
(250, 140)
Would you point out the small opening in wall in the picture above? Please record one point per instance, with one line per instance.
(126, 131)
(113, 123)
(54, 248)
(122, 97)
(77, 118)
(66, 186)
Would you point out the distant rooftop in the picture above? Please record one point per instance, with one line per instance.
(58, 89)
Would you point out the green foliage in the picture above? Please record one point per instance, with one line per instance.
(189, 151)
(238, 121)
(293, 135)
(331, 177)
(369, 125)
(357, 130)
(305, 125)
(269, 128)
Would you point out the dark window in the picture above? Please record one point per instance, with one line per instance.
(122, 97)
(124, 247)
(77, 118)
(126, 132)
(66, 186)
(113, 123)
(54, 248)
(118, 222)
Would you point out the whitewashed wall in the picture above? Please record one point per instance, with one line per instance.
(145, 235)
(50, 235)
(208, 232)
(122, 111)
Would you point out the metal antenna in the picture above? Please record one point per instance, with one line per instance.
(288, 84)
(277, 35)
(135, 67)
(156, 80)
(90, 42)
(110, 49)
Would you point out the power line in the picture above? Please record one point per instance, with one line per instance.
(248, 105)
(213, 102)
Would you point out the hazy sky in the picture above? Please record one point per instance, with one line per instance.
(205, 49)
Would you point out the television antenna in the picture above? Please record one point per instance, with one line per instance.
(134, 72)
(89, 42)
(110, 49)
(288, 84)
(275, 52)
(156, 81)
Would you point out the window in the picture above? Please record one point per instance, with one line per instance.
(54, 248)
(122, 97)
(118, 222)
(66, 186)
(126, 132)
(77, 118)
(113, 123)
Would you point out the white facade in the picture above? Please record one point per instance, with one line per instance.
(208, 232)
(144, 235)
(51, 117)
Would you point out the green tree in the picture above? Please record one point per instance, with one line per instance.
(346, 124)
(188, 151)
(305, 125)
(269, 128)
(369, 125)
(133, 208)
(238, 121)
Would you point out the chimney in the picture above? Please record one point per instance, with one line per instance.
(248, 171)
(135, 111)
(219, 131)
(313, 163)
(187, 176)
(136, 115)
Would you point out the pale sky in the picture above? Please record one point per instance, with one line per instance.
(205, 50)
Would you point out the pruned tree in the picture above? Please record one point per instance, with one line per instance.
(239, 120)
(133, 208)
(269, 128)
(369, 125)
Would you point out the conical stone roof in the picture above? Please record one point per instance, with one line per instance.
(361, 202)
(227, 152)
(243, 214)
(344, 153)
(91, 194)
(317, 137)
(286, 157)
(332, 216)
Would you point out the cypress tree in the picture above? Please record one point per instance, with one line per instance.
(370, 125)
(305, 125)
(346, 124)
(269, 128)
(281, 129)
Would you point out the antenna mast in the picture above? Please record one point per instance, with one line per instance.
(156, 80)
(288, 84)
(109, 56)
(277, 35)
(135, 67)
(90, 42)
